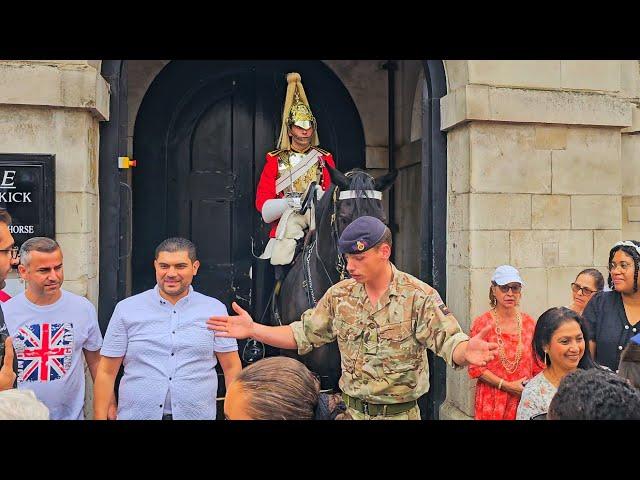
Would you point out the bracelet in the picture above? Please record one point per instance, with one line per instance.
(500, 384)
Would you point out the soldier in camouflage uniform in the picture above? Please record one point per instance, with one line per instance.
(384, 321)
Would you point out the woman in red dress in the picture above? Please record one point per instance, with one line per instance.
(501, 382)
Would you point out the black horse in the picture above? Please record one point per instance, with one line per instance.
(319, 265)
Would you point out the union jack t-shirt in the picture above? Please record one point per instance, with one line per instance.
(48, 341)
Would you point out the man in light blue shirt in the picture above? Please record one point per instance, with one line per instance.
(168, 353)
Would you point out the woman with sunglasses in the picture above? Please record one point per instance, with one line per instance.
(501, 382)
(559, 343)
(588, 282)
(613, 316)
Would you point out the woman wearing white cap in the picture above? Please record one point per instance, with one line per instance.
(501, 382)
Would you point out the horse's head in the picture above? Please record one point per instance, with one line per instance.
(359, 194)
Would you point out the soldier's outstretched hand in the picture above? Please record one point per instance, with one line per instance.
(237, 326)
(480, 352)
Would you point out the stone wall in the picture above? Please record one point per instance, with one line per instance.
(541, 163)
(54, 107)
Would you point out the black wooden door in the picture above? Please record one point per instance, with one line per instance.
(211, 184)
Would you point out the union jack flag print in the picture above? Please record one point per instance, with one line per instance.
(44, 351)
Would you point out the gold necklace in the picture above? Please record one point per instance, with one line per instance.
(509, 365)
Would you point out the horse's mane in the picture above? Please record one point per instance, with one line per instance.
(324, 203)
(361, 182)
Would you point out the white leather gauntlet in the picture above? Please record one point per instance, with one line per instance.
(273, 209)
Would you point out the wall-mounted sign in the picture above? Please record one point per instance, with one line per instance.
(27, 191)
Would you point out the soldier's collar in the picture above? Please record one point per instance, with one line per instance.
(301, 151)
(393, 290)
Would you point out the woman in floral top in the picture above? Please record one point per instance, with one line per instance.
(501, 382)
(559, 343)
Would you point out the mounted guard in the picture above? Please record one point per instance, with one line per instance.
(289, 172)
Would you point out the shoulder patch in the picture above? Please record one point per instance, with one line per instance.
(322, 151)
(275, 153)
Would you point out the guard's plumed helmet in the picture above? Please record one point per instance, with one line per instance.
(296, 111)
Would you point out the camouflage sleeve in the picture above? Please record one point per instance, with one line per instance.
(315, 327)
(437, 328)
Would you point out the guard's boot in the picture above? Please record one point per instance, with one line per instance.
(279, 273)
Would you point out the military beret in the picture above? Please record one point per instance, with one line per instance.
(361, 235)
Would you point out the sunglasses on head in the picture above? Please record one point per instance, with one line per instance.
(514, 287)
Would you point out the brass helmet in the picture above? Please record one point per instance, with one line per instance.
(300, 114)
(296, 112)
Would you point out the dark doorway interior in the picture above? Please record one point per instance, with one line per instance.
(200, 140)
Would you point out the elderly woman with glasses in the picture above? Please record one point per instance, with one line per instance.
(501, 381)
(588, 282)
(613, 316)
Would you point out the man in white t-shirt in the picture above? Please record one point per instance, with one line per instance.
(51, 330)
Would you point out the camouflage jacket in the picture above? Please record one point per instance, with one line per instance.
(383, 346)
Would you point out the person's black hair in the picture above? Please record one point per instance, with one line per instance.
(633, 253)
(596, 275)
(546, 326)
(629, 366)
(594, 394)
(177, 244)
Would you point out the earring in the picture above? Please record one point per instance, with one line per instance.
(546, 361)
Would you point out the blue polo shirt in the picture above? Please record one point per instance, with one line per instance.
(169, 354)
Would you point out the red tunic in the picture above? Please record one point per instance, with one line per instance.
(491, 403)
(267, 185)
(4, 296)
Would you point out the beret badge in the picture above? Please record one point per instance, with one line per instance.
(360, 246)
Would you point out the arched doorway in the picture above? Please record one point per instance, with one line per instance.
(200, 139)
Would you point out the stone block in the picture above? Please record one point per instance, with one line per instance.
(516, 73)
(551, 137)
(458, 154)
(506, 211)
(480, 281)
(630, 163)
(75, 250)
(458, 298)
(600, 75)
(630, 79)
(534, 294)
(458, 248)
(500, 104)
(603, 241)
(488, 248)
(75, 212)
(457, 73)
(630, 228)
(458, 212)
(596, 212)
(69, 85)
(635, 121)
(79, 287)
(590, 164)
(551, 212)
(504, 159)
(377, 157)
(547, 248)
